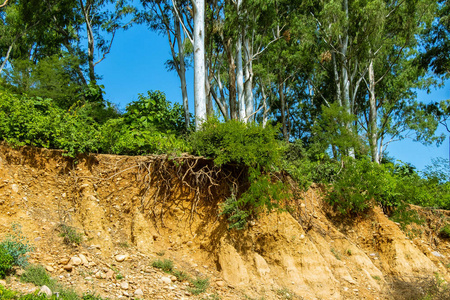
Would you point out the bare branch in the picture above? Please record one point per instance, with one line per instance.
(4, 3)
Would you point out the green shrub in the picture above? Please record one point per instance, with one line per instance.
(199, 285)
(17, 245)
(165, 265)
(6, 262)
(234, 142)
(445, 231)
(263, 195)
(70, 234)
(37, 275)
(6, 294)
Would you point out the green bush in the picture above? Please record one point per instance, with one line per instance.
(6, 262)
(37, 275)
(70, 234)
(263, 195)
(6, 294)
(165, 265)
(17, 245)
(234, 142)
(199, 285)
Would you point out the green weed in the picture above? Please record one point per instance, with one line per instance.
(199, 285)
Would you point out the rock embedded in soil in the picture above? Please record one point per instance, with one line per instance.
(121, 257)
(166, 280)
(45, 290)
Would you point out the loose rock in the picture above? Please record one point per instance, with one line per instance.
(45, 290)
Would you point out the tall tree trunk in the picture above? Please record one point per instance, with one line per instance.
(283, 109)
(240, 79)
(199, 63)
(248, 84)
(182, 72)
(232, 81)
(7, 57)
(345, 76)
(90, 35)
(240, 70)
(373, 136)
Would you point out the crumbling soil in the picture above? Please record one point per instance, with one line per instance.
(129, 217)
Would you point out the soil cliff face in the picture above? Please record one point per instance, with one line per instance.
(120, 208)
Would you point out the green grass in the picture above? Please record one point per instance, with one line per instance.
(165, 265)
(199, 285)
(70, 234)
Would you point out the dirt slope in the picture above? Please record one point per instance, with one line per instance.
(308, 254)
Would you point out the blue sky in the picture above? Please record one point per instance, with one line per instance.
(136, 65)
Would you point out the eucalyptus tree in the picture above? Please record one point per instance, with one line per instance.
(436, 41)
(199, 62)
(173, 19)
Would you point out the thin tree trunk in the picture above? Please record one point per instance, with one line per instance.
(248, 84)
(373, 137)
(199, 63)
(232, 81)
(90, 35)
(6, 58)
(182, 72)
(283, 109)
(240, 70)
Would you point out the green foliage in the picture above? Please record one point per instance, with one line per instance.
(356, 185)
(165, 265)
(6, 262)
(70, 234)
(199, 285)
(89, 127)
(308, 165)
(17, 245)
(6, 294)
(235, 142)
(263, 195)
(335, 129)
(155, 112)
(445, 231)
(37, 275)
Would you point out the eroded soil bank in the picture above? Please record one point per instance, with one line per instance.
(122, 207)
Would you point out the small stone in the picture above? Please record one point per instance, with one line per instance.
(138, 293)
(15, 188)
(2, 282)
(99, 275)
(437, 254)
(345, 288)
(64, 261)
(49, 268)
(121, 257)
(68, 267)
(302, 205)
(220, 283)
(173, 278)
(75, 261)
(189, 244)
(124, 285)
(84, 260)
(110, 274)
(45, 290)
(166, 280)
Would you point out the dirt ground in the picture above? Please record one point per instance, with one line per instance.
(128, 219)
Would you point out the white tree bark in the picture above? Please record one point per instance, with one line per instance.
(373, 136)
(248, 84)
(182, 72)
(240, 72)
(199, 63)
